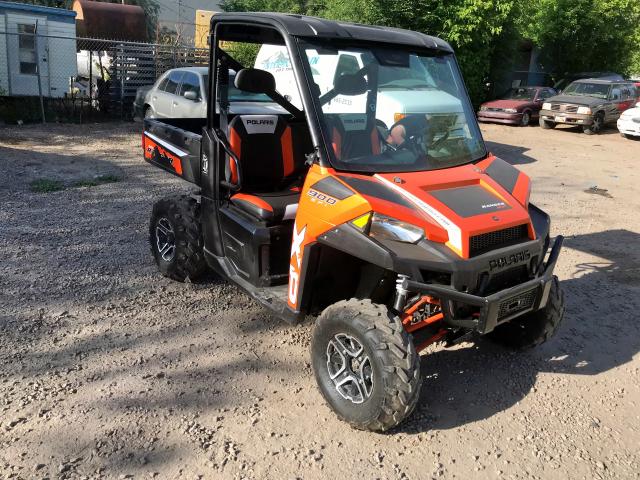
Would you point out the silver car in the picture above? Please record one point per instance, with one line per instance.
(181, 93)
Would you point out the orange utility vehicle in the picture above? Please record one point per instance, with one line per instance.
(394, 236)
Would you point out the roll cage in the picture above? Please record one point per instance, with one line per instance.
(291, 31)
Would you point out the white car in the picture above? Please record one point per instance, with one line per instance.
(181, 93)
(629, 122)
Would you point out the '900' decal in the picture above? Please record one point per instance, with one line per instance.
(321, 197)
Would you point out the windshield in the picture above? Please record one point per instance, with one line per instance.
(597, 90)
(520, 94)
(394, 110)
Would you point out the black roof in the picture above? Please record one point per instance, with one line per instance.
(314, 27)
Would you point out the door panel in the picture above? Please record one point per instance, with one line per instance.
(165, 98)
(185, 108)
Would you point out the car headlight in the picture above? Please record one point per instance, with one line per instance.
(483, 108)
(389, 228)
(511, 110)
(546, 106)
(584, 110)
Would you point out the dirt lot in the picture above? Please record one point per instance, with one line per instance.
(109, 370)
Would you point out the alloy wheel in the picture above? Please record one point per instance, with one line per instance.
(165, 239)
(349, 368)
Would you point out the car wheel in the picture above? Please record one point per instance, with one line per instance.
(175, 238)
(544, 124)
(366, 365)
(148, 112)
(526, 119)
(596, 126)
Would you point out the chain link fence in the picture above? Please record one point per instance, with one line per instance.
(71, 79)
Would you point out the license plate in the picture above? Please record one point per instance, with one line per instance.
(559, 119)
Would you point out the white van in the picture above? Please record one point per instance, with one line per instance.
(396, 97)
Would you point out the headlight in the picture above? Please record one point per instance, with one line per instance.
(584, 110)
(511, 110)
(388, 228)
(483, 108)
(546, 106)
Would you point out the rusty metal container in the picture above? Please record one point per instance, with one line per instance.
(111, 21)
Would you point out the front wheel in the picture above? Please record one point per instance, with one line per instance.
(545, 124)
(175, 238)
(535, 328)
(596, 126)
(526, 119)
(366, 365)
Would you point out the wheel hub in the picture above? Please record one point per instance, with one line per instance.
(349, 368)
(165, 239)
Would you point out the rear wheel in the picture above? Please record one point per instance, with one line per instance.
(175, 238)
(535, 328)
(545, 124)
(596, 126)
(365, 364)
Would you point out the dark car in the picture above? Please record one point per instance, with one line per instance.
(591, 104)
(517, 107)
(561, 84)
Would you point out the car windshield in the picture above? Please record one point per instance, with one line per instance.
(597, 90)
(236, 95)
(520, 94)
(392, 110)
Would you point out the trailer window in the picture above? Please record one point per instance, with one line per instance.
(27, 49)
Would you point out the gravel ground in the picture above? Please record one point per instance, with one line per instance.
(109, 370)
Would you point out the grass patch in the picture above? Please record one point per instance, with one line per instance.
(98, 180)
(46, 185)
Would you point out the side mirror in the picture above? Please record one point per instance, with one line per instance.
(253, 80)
(191, 95)
(350, 84)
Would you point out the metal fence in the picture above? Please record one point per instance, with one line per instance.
(72, 79)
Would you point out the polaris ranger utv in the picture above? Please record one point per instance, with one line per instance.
(394, 236)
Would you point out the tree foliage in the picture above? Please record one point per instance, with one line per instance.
(584, 35)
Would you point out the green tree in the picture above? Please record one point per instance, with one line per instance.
(584, 35)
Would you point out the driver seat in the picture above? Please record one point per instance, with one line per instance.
(271, 150)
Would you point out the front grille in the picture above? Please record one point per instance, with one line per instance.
(564, 107)
(518, 303)
(485, 242)
(494, 109)
(506, 279)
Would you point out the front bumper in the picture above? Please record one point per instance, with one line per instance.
(629, 127)
(568, 118)
(499, 117)
(499, 307)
